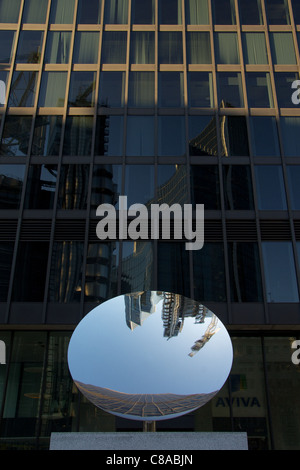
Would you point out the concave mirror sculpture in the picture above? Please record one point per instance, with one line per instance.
(150, 355)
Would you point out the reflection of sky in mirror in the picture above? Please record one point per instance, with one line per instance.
(104, 351)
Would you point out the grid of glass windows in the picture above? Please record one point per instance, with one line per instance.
(202, 87)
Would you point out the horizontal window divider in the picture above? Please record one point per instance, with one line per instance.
(61, 27)
(141, 111)
(85, 68)
(110, 111)
(50, 111)
(198, 27)
(225, 28)
(113, 67)
(200, 68)
(286, 68)
(116, 27)
(262, 111)
(28, 67)
(56, 67)
(253, 28)
(229, 68)
(89, 27)
(171, 68)
(144, 27)
(142, 68)
(290, 111)
(171, 27)
(233, 111)
(74, 111)
(280, 28)
(258, 68)
(171, 111)
(9, 26)
(21, 111)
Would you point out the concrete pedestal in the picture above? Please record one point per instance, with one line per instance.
(178, 441)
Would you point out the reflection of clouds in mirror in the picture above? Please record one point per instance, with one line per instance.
(134, 353)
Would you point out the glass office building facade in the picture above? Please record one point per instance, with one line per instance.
(175, 101)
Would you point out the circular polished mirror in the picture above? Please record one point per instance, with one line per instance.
(150, 355)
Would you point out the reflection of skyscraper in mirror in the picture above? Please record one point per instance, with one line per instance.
(211, 330)
(175, 308)
(139, 306)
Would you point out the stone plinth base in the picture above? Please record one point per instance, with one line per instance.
(149, 441)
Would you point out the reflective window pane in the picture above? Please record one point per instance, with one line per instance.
(277, 11)
(198, 48)
(40, 187)
(234, 136)
(30, 272)
(109, 135)
(62, 11)
(170, 278)
(23, 89)
(141, 89)
(209, 273)
(280, 274)
(170, 89)
(138, 189)
(53, 89)
(283, 83)
(106, 185)
(250, 12)
(203, 139)
(200, 90)
(21, 410)
(90, 15)
(172, 184)
(270, 187)
(170, 12)
(101, 272)
(289, 131)
(140, 136)
(293, 173)
(223, 12)
(9, 11)
(259, 90)
(196, 12)
(282, 48)
(11, 184)
(205, 186)
(142, 47)
(35, 11)
(237, 183)
(15, 137)
(296, 11)
(116, 12)
(136, 266)
(6, 256)
(114, 47)
(230, 92)
(264, 136)
(73, 187)
(245, 275)
(226, 48)
(58, 47)
(78, 136)
(7, 43)
(112, 89)
(170, 47)
(82, 89)
(86, 47)
(142, 12)
(47, 135)
(171, 136)
(67, 256)
(255, 48)
(30, 47)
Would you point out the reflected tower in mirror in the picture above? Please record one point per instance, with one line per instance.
(150, 356)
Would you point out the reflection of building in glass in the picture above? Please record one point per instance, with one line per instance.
(10, 190)
(139, 306)
(210, 331)
(146, 406)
